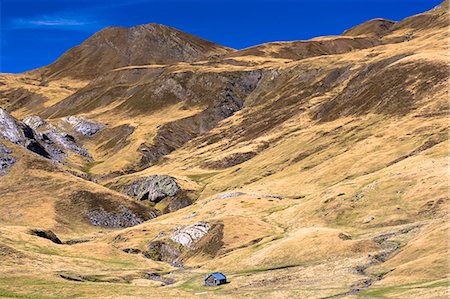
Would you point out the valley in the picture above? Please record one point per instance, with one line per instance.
(303, 169)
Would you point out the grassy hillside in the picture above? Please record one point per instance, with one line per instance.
(320, 169)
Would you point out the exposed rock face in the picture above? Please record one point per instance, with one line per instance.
(11, 129)
(21, 134)
(104, 209)
(54, 139)
(34, 121)
(225, 96)
(123, 218)
(6, 160)
(83, 125)
(188, 235)
(183, 242)
(368, 219)
(65, 140)
(154, 188)
(39, 136)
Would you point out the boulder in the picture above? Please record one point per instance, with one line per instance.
(154, 188)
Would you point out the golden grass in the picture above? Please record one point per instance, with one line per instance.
(331, 177)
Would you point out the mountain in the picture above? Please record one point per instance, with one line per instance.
(116, 47)
(146, 158)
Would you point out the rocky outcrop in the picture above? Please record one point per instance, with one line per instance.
(84, 126)
(120, 219)
(11, 129)
(153, 188)
(180, 243)
(226, 96)
(19, 133)
(188, 235)
(39, 136)
(34, 122)
(161, 191)
(104, 209)
(6, 160)
(54, 139)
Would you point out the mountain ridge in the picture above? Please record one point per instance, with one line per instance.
(303, 169)
(122, 46)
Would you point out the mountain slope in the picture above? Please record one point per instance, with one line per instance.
(115, 47)
(305, 169)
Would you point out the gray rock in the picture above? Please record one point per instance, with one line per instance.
(188, 235)
(123, 218)
(6, 160)
(34, 121)
(153, 188)
(11, 129)
(54, 139)
(19, 133)
(84, 126)
(229, 195)
(178, 244)
(65, 140)
(266, 195)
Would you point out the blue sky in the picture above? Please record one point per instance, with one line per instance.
(35, 33)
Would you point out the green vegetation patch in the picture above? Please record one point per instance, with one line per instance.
(8, 294)
(385, 291)
(88, 167)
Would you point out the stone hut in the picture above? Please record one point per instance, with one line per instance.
(215, 279)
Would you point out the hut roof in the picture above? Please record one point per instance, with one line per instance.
(218, 275)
